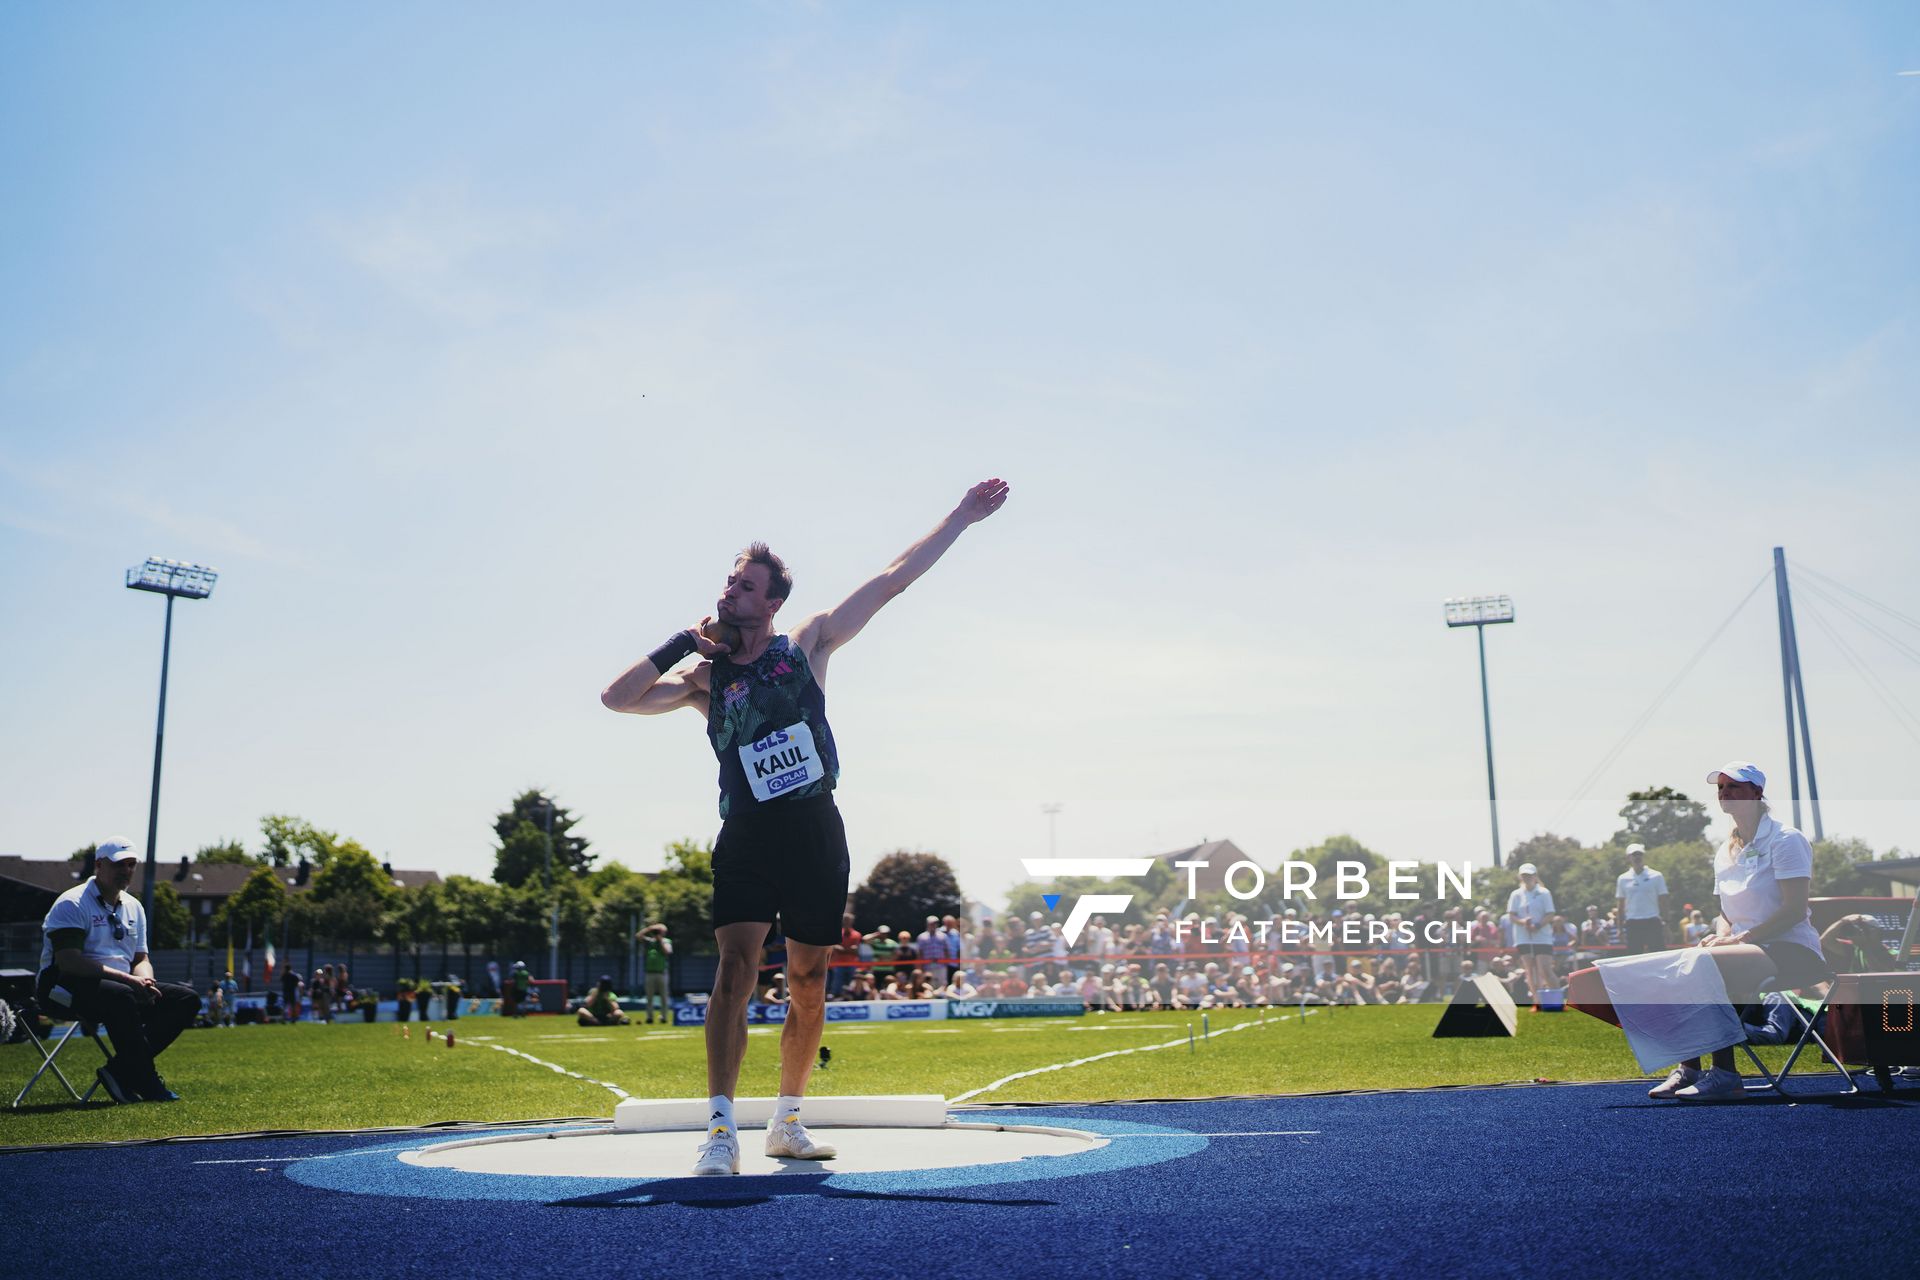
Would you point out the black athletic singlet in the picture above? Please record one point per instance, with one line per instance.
(767, 721)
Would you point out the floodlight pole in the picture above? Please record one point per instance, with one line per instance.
(1486, 723)
(1796, 694)
(1480, 612)
(553, 898)
(169, 578)
(153, 797)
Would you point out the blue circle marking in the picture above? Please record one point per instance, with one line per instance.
(379, 1170)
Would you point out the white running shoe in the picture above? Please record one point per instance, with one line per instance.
(790, 1138)
(719, 1154)
(1717, 1085)
(1680, 1079)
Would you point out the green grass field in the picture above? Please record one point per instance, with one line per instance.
(356, 1075)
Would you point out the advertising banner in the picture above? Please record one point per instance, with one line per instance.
(689, 1013)
(1024, 1007)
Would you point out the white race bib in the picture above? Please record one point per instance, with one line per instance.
(783, 761)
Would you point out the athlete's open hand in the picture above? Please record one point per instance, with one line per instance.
(982, 500)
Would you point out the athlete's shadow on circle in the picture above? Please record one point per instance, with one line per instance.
(738, 1193)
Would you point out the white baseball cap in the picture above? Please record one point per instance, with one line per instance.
(114, 851)
(1739, 771)
(1636, 848)
(1528, 869)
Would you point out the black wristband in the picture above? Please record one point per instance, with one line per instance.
(678, 646)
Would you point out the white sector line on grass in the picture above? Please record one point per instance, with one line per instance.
(614, 1089)
(1111, 1053)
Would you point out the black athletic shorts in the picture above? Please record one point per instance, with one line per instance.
(786, 859)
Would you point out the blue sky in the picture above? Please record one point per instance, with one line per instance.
(469, 344)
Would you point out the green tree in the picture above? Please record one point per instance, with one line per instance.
(903, 889)
(471, 908)
(523, 923)
(350, 895)
(522, 857)
(83, 858)
(1325, 858)
(425, 910)
(1838, 870)
(289, 839)
(1661, 815)
(1688, 868)
(352, 916)
(619, 895)
(167, 928)
(681, 896)
(260, 902)
(228, 852)
(352, 870)
(1557, 857)
(472, 914)
(529, 808)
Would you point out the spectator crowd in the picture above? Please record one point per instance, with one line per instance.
(1161, 964)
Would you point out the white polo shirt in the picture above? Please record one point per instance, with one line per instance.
(1642, 891)
(1749, 882)
(82, 907)
(1524, 904)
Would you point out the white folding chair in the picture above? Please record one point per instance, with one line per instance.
(29, 1016)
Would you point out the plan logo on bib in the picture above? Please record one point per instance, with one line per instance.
(781, 761)
(1087, 905)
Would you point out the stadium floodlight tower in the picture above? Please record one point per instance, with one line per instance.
(553, 893)
(1481, 612)
(175, 581)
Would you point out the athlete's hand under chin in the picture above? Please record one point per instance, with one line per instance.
(982, 500)
(709, 648)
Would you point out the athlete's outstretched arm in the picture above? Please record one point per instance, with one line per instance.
(843, 622)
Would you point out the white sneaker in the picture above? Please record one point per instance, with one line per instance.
(1717, 1085)
(1681, 1077)
(790, 1138)
(719, 1154)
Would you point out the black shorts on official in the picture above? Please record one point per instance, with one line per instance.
(785, 860)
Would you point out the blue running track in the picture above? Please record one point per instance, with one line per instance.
(1588, 1180)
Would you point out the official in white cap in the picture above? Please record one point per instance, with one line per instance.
(1530, 907)
(1763, 874)
(94, 964)
(1640, 900)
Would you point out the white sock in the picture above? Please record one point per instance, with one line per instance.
(721, 1110)
(787, 1108)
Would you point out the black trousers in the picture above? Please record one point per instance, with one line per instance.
(139, 1032)
(1645, 935)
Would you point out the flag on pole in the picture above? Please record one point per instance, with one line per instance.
(229, 948)
(246, 961)
(269, 959)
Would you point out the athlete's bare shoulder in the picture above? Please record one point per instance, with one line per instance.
(810, 638)
(808, 635)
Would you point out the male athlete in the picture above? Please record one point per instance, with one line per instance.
(782, 850)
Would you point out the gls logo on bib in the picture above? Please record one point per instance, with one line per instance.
(781, 761)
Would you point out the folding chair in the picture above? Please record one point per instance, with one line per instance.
(1769, 1080)
(30, 1015)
